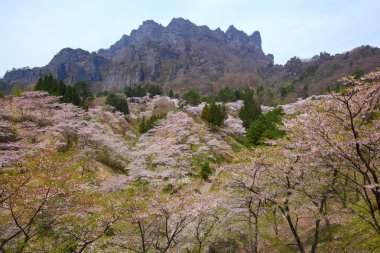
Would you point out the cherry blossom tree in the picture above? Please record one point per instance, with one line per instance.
(342, 131)
(31, 197)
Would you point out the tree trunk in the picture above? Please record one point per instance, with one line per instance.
(295, 234)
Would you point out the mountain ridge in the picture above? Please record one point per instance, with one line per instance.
(151, 52)
(184, 56)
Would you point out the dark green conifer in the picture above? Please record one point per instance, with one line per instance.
(251, 109)
(171, 93)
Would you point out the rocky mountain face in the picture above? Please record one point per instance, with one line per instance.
(153, 53)
(185, 56)
(321, 72)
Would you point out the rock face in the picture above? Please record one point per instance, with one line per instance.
(185, 56)
(176, 53)
(320, 73)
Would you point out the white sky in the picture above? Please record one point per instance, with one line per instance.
(32, 32)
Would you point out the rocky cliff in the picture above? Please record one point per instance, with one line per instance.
(183, 55)
(176, 53)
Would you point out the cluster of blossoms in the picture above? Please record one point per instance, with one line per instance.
(330, 151)
(195, 110)
(234, 125)
(297, 106)
(146, 106)
(37, 120)
(165, 152)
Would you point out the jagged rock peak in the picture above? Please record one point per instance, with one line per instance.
(180, 22)
(150, 22)
(148, 29)
(69, 55)
(232, 30)
(69, 50)
(149, 25)
(218, 30)
(235, 36)
(256, 38)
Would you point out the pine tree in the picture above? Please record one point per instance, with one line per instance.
(49, 83)
(39, 84)
(67, 98)
(83, 90)
(53, 89)
(206, 171)
(75, 98)
(192, 97)
(171, 93)
(118, 102)
(142, 126)
(45, 83)
(214, 114)
(251, 109)
(61, 88)
(206, 113)
(265, 127)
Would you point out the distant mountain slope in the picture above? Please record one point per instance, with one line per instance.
(185, 56)
(320, 73)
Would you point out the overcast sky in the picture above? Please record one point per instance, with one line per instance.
(32, 32)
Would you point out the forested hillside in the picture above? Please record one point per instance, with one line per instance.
(138, 171)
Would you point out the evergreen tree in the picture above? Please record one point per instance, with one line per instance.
(75, 98)
(49, 83)
(83, 90)
(145, 125)
(45, 83)
(53, 89)
(153, 90)
(67, 98)
(142, 127)
(206, 170)
(192, 97)
(39, 85)
(214, 114)
(226, 95)
(206, 113)
(137, 91)
(171, 93)
(265, 127)
(61, 88)
(238, 95)
(251, 109)
(118, 102)
(79, 94)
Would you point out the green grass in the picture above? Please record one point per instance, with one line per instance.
(353, 236)
(237, 144)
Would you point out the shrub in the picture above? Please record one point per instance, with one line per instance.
(16, 91)
(286, 88)
(206, 170)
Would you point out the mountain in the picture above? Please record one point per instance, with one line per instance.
(321, 72)
(179, 52)
(185, 56)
